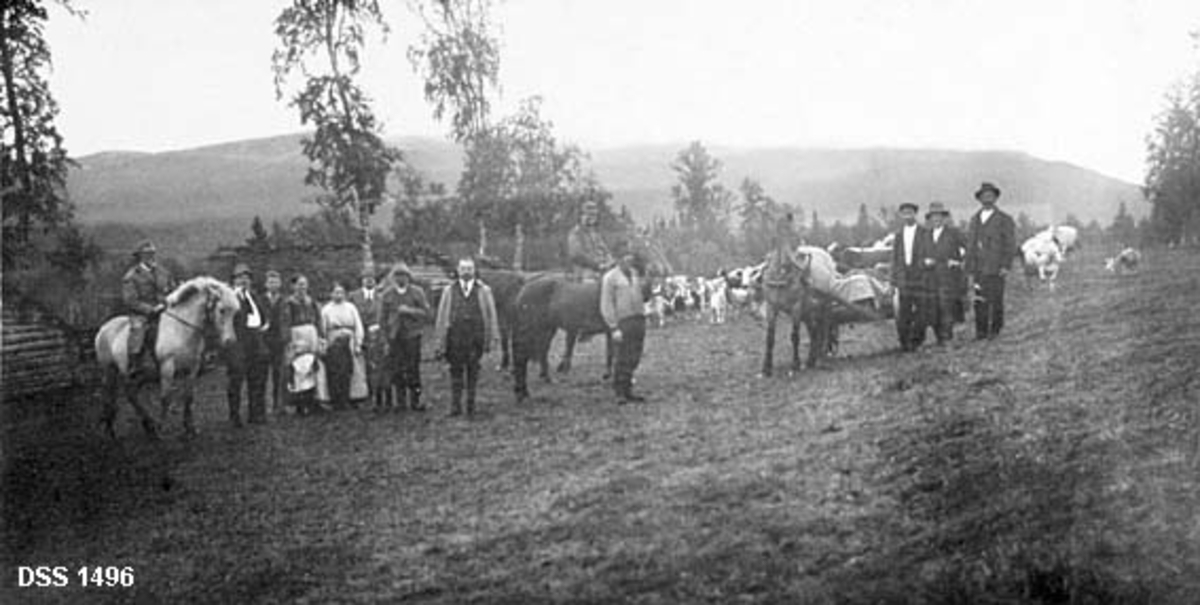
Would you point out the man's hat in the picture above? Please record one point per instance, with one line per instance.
(368, 271)
(904, 205)
(987, 187)
(272, 273)
(937, 208)
(620, 248)
(401, 267)
(590, 206)
(146, 247)
(241, 269)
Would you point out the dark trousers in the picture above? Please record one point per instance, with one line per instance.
(339, 366)
(941, 312)
(406, 364)
(275, 375)
(989, 305)
(463, 352)
(629, 353)
(247, 367)
(910, 324)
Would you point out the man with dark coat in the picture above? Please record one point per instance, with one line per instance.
(246, 359)
(991, 248)
(144, 289)
(404, 311)
(908, 277)
(366, 301)
(272, 305)
(944, 247)
(465, 329)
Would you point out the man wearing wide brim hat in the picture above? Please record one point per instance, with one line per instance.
(587, 254)
(991, 248)
(908, 276)
(404, 313)
(944, 249)
(144, 289)
(246, 360)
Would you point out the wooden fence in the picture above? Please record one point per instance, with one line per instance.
(38, 352)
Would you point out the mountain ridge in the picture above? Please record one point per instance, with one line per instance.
(237, 180)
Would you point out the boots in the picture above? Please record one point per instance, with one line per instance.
(456, 401)
(414, 399)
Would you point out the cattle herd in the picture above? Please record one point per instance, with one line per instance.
(862, 274)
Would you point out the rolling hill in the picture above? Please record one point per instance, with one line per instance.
(224, 186)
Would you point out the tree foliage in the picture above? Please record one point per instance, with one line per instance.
(701, 201)
(33, 161)
(459, 59)
(517, 172)
(323, 41)
(1172, 182)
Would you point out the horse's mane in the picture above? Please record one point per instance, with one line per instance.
(191, 288)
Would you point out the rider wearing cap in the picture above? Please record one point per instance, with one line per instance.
(587, 254)
(143, 290)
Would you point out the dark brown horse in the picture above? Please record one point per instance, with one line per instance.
(550, 302)
(788, 290)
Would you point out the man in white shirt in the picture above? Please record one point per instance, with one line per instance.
(908, 277)
(246, 359)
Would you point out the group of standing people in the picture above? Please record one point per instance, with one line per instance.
(360, 346)
(936, 269)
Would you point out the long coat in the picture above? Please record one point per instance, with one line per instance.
(950, 246)
(909, 276)
(991, 246)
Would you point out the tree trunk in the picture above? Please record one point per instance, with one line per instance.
(18, 123)
(518, 262)
(364, 226)
(482, 239)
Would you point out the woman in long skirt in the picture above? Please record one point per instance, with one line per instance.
(300, 326)
(344, 331)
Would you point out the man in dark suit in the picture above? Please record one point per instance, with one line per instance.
(945, 247)
(246, 359)
(367, 301)
(991, 248)
(909, 279)
(273, 301)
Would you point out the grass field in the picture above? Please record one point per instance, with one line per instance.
(1057, 464)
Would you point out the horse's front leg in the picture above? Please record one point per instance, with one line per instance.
(609, 354)
(796, 344)
(189, 395)
(768, 355)
(818, 334)
(564, 366)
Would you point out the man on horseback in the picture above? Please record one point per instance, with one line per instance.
(144, 290)
(587, 254)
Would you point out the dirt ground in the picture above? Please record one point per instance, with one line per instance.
(1056, 464)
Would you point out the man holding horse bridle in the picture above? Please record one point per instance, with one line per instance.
(587, 254)
(144, 289)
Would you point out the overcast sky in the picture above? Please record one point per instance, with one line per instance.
(1078, 81)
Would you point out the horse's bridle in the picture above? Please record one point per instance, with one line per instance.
(210, 303)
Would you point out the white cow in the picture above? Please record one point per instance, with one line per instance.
(1065, 236)
(1043, 256)
(716, 293)
(1127, 261)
